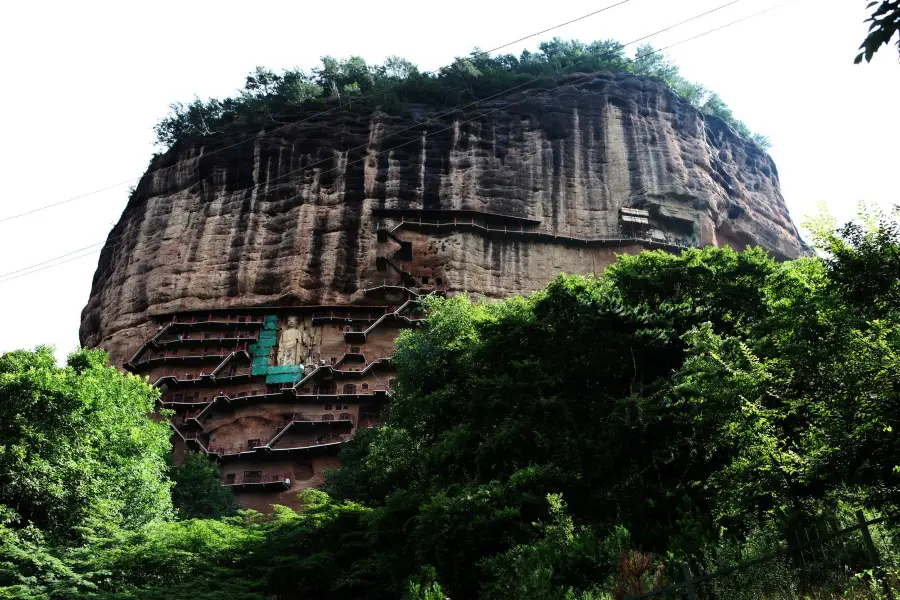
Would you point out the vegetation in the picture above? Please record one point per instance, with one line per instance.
(579, 443)
(270, 98)
(76, 444)
(197, 491)
(884, 23)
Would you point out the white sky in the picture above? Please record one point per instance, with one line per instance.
(86, 81)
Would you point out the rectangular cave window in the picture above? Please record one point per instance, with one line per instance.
(425, 279)
(229, 479)
(349, 388)
(253, 444)
(327, 407)
(252, 476)
(206, 336)
(354, 349)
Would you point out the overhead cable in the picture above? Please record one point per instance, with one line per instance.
(313, 116)
(4, 278)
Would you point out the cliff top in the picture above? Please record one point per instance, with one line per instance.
(274, 99)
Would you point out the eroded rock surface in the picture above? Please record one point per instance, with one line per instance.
(289, 217)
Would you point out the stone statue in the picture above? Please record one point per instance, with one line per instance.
(289, 343)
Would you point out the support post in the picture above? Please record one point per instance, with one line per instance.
(873, 553)
(689, 583)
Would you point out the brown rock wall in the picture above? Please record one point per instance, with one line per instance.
(251, 225)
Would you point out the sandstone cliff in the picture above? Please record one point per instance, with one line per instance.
(216, 225)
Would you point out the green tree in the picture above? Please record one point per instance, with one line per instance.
(685, 398)
(29, 570)
(269, 97)
(647, 61)
(884, 23)
(76, 443)
(198, 492)
(576, 444)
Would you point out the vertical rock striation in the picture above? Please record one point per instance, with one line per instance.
(289, 216)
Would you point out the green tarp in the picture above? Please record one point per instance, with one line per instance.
(285, 369)
(284, 374)
(267, 337)
(260, 365)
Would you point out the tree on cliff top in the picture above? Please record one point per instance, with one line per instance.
(270, 98)
(76, 444)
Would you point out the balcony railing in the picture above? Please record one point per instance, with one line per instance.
(217, 319)
(260, 481)
(189, 354)
(236, 373)
(263, 445)
(317, 418)
(360, 391)
(241, 336)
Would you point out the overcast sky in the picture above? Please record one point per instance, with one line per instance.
(86, 81)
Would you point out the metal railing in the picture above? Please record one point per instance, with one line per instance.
(236, 319)
(689, 585)
(240, 336)
(264, 444)
(256, 478)
(546, 234)
(190, 354)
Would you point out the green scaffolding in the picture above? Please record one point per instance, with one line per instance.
(260, 351)
(284, 374)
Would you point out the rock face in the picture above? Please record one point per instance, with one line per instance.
(259, 280)
(290, 217)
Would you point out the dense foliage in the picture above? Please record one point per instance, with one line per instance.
(884, 23)
(576, 444)
(198, 492)
(76, 443)
(269, 98)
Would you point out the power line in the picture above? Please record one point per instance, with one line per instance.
(318, 114)
(527, 98)
(55, 264)
(4, 275)
(451, 111)
(505, 92)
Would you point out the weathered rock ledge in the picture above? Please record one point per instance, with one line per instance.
(290, 216)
